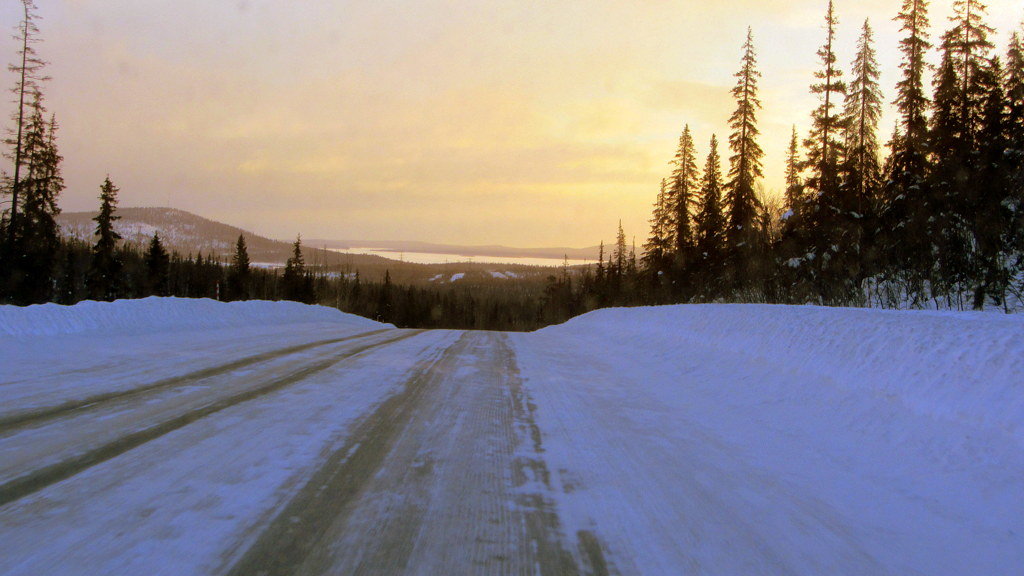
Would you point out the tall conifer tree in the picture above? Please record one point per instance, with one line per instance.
(104, 277)
(658, 247)
(992, 206)
(27, 92)
(1015, 147)
(297, 284)
(824, 151)
(745, 170)
(960, 96)
(238, 278)
(158, 264)
(711, 226)
(794, 183)
(863, 110)
(907, 204)
(854, 223)
(682, 197)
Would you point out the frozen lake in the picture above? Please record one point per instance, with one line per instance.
(437, 258)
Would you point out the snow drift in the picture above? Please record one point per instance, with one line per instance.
(961, 366)
(758, 439)
(154, 314)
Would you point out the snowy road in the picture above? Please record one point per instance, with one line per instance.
(383, 452)
(629, 442)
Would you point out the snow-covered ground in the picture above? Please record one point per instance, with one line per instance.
(171, 436)
(741, 439)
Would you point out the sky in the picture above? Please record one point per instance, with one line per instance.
(524, 123)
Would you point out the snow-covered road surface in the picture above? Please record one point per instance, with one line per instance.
(678, 440)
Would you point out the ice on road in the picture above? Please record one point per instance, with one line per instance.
(268, 439)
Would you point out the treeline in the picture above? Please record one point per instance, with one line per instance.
(108, 269)
(939, 222)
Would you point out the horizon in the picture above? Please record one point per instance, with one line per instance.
(496, 124)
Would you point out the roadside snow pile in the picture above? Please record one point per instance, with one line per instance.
(166, 315)
(958, 366)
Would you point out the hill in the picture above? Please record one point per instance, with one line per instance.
(188, 233)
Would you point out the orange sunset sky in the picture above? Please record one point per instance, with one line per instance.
(527, 123)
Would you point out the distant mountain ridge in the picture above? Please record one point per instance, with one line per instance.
(189, 234)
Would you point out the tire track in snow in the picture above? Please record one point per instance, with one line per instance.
(31, 417)
(443, 478)
(40, 478)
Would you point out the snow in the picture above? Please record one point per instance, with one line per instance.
(504, 275)
(457, 276)
(758, 439)
(699, 439)
(163, 315)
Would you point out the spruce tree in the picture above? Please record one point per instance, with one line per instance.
(682, 198)
(1014, 159)
(862, 171)
(854, 223)
(794, 242)
(158, 264)
(968, 47)
(619, 255)
(824, 151)
(907, 204)
(239, 277)
(385, 301)
(27, 89)
(992, 206)
(32, 251)
(960, 96)
(296, 282)
(742, 205)
(656, 259)
(794, 197)
(103, 279)
(711, 225)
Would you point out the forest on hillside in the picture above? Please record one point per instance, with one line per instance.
(931, 218)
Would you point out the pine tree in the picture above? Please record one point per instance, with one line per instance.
(992, 206)
(907, 204)
(711, 224)
(619, 255)
(239, 277)
(742, 206)
(794, 242)
(385, 301)
(32, 251)
(863, 110)
(968, 47)
(948, 179)
(854, 222)
(681, 198)
(824, 151)
(296, 282)
(658, 247)
(794, 197)
(157, 267)
(960, 96)
(27, 89)
(1014, 159)
(104, 277)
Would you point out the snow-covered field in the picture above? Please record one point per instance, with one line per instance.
(170, 436)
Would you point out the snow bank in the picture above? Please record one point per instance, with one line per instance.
(166, 314)
(960, 366)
